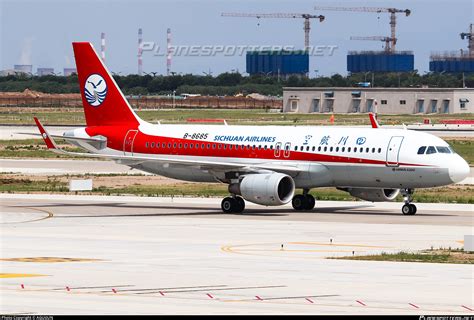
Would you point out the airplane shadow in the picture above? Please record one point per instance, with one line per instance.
(273, 212)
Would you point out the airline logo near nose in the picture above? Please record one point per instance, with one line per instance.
(95, 90)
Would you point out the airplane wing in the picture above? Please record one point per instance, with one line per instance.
(214, 165)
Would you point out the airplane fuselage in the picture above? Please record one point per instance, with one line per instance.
(328, 156)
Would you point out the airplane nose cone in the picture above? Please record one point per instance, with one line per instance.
(459, 170)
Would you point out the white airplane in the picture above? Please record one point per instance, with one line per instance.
(260, 164)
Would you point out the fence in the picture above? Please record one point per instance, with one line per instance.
(146, 102)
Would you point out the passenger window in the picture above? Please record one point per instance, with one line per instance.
(373, 150)
(443, 149)
(219, 146)
(190, 146)
(202, 146)
(174, 146)
(349, 149)
(422, 150)
(301, 148)
(319, 148)
(185, 146)
(180, 145)
(230, 147)
(213, 146)
(169, 145)
(225, 147)
(337, 149)
(307, 148)
(431, 150)
(367, 150)
(314, 148)
(380, 150)
(146, 145)
(325, 149)
(343, 149)
(330, 149)
(152, 144)
(296, 148)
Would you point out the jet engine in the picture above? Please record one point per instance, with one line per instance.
(374, 195)
(271, 189)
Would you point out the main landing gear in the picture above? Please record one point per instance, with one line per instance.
(408, 208)
(233, 204)
(303, 201)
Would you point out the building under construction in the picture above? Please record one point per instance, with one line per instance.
(455, 62)
(388, 60)
(278, 63)
(281, 63)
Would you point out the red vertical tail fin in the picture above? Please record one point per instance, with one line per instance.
(104, 104)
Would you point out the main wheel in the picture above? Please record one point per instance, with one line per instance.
(239, 205)
(299, 202)
(408, 209)
(310, 202)
(228, 204)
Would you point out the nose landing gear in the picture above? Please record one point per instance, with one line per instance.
(408, 208)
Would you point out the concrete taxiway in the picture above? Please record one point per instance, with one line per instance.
(66, 254)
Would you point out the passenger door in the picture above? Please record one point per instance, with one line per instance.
(393, 151)
(128, 142)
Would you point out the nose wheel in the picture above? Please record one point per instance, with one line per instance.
(303, 202)
(408, 209)
(233, 205)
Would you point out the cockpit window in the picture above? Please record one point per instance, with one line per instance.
(443, 149)
(431, 150)
(452, 150)
(422, 150)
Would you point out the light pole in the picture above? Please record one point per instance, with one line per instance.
(174, 92)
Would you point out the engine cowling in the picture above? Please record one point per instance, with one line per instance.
(374, 195)
(271, 189)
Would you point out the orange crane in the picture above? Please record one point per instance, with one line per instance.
(304, 16)
(387, 40)
(392, 11)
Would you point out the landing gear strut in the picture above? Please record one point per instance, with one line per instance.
(408, 208)
(233, 204)
(303, 201)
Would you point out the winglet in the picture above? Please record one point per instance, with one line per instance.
(373, 120)
(46, 137)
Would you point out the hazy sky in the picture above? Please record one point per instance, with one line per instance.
(41, 32)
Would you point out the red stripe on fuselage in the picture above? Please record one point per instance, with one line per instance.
(115, 137)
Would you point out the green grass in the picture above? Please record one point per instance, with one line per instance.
(233, 116)
(456, 256)
(465, 148)
(32, 148)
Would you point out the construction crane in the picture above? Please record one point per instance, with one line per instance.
(392, 11)
(305, 16)
(470, 36)
(387, 40)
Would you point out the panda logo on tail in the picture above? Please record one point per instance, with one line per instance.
(95, 90)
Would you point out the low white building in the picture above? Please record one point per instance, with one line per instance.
(380, 100)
